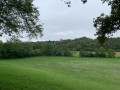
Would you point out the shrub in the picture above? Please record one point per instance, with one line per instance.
(111, 53)
(102, 52)
(86, 54)
(68, 53)
(36, 52)
(58, 52)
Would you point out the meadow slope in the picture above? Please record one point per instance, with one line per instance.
(60, 73)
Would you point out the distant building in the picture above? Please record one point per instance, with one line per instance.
(61, 39)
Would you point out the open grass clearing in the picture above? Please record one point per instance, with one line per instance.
(60, 73)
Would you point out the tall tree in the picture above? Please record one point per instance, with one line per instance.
(106, 25)
(19, 16)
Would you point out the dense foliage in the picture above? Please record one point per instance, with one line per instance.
(108, 24)
(15, 48)
(88, 48)
(111, 53)
(87, 44)
(19, 16)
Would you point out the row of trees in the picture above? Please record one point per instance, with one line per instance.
(101, 52)
(14, 48)
(87, 44)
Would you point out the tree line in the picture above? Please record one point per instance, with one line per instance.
(101, 52)
(88, 44)
(15, 48)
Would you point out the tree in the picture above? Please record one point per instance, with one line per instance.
(1, 45)
(36, 52)
(14, 40)
(81, 53)
(67, 52)
(111, 53)
(102, 52)
(106, 25)
(48, 49)
(19, 16)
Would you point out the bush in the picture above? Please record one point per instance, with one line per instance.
(68, 53)
(111, 53)
(36, 52)
(58, 52)
(86, 54)
(102, 52)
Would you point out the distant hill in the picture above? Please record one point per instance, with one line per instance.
(87, 44)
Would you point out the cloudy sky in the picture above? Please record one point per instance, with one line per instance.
(62, 22)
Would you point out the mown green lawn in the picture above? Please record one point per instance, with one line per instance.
(60, 73)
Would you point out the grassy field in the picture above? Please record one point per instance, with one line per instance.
(60, 73)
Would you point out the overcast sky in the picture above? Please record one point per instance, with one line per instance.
(62, 22)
